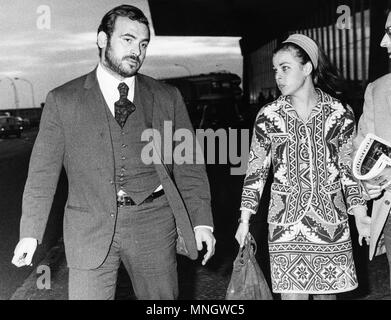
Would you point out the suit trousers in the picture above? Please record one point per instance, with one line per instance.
(145, 241)
(387, 242)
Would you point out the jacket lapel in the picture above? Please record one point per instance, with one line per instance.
(144, 95)
(97, 121)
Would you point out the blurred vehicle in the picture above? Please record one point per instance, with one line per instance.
(213, 100)
(10, 125)
(24, 122)
(32, 115)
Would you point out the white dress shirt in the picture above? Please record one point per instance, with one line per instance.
(108, 85)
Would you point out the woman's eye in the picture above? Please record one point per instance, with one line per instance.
(285, 68)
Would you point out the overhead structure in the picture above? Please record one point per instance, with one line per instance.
(262, 24)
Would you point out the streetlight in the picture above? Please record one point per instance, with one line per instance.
(16, 98)
(31, 87)
(183, 66)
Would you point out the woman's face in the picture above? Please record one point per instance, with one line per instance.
(290, 74)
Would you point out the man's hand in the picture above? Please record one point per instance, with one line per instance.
(372, 191)
(24, 251)
(363, 224)
(205, 235)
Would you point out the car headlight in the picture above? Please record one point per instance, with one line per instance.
(2, 129)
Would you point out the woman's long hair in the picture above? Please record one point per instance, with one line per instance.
(326, 76)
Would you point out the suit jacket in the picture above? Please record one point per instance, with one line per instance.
(74, 133)
(376, 118)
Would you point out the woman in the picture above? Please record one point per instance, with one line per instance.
(306, 134)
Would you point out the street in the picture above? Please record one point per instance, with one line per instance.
(14, 158)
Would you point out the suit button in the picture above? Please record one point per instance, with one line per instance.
(112, 215)
(387, 202)
(111, 182)
(124, 146)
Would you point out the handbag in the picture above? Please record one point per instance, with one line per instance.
(247, 279)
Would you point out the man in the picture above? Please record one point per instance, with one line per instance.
(376, 118)
(119, 207)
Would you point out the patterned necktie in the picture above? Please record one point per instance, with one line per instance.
(123, 107)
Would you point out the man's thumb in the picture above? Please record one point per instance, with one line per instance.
(199, 244)
(28, 258)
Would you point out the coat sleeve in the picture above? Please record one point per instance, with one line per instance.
(44, 170)
(258, 165)
(190, 176)
(366, 123)
(350, 185)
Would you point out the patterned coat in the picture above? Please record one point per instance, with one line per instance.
(311, 162)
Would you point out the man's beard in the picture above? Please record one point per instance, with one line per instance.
(116, 66)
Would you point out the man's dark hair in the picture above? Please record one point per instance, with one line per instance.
(108, 21)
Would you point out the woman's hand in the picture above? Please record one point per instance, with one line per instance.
(243, 228)
(241, 233)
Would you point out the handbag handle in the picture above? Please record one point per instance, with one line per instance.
(250, 242)
(250, 247)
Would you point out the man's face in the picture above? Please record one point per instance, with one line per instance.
(125, 51)
(386, 41)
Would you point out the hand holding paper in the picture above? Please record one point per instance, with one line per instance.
(363, 224)
(372, 191)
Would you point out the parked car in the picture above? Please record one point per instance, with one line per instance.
(24, 122)
(10, 126)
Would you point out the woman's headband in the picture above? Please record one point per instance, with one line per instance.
(307, 44)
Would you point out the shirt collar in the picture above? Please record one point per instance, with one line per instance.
(108, 82)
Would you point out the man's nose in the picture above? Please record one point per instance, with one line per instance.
(385, 42)
(135, 49)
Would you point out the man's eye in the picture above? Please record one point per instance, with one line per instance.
(285, 68)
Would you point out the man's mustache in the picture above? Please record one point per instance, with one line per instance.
(132, 57)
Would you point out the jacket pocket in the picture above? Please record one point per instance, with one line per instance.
(279, 143)
(278, 206)
(334, 204)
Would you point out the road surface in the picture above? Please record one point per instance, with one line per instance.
(14, 158)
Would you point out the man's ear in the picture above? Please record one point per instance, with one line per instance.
(307, 68)
(102, 39)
